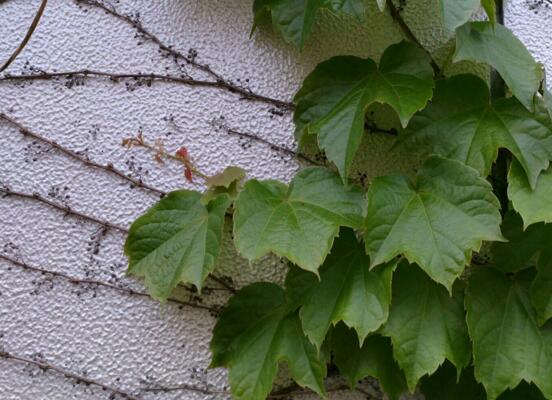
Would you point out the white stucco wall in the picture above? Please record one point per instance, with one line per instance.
(126, 341)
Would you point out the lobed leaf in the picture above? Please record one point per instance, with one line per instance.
(426, 324)
(462, 123)
(374, 358)
(541, 288)
(298, 222)
(347, 291)
(508, 345)
(334, 97)
(497, 46)
(177, 240)
(533, 204)
(435, 222)
(255, 332)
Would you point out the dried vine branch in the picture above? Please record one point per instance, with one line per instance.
(397, 17)
(76, 156)
(220, 81)
(27, 36)
(63, 208)
(95, 282)
(44, 366)
(81, 216)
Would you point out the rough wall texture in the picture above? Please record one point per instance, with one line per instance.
(128, 341)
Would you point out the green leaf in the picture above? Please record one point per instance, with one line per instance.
(497, 46)
(446, 385)
(508, 346)
(426, 324)
(177, 240)
(334, 97)
(374, 358)
(347, 291)
(294, 19)
(435, 221)
(522, 245)
(257, 330)
(541, 289)
(455, 13)
(533, 205)
(298, 222)
(227, 182)
(476, 128)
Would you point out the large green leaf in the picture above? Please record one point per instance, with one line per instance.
(541, 289)
(294, 19)
(299, 222)
(508, 345)
(435, 221)
(522, 245)
(374, 358)
(445, 385)
(457, 12)
(462, 123)
(497, 46)
(177, 240)
(257, 330)
(533, 205)
(347, 291)
(426, 324)
(334, 97)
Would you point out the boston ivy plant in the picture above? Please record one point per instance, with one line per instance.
(385, 282)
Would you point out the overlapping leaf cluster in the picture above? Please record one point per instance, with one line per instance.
(384, 282)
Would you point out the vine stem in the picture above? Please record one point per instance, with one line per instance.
(44, 366)
(76, 156)
(95, 282)
(103, 223)
(397, 17)
(27, 36)
(220, 81)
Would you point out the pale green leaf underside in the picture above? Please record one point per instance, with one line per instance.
(426, 324)
(435, 222)
(298, 222)
(177, 240)
(533, 205)
(334, 97)
(497, 46)
(374, 358)
(461, 123)
(294, 19)
(508, 346)
(255, 332)
(347, 291)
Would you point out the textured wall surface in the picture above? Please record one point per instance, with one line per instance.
(124, 340)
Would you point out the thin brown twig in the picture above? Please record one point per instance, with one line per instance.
(103, 223)
(397, 17)
(44, 366)
(63, 208)
(221, 82)
(28, 35)
(95, 282)
(83, 159)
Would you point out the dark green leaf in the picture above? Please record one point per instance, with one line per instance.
(434, 222)
(299, 222)
(255, 332)
(462, 123)
(508, 345)
(445, 385)
(497, 46)
(347, 291)
(426, 324)
(541, 289)
(334, 97)
(177, 240)
(374, 358)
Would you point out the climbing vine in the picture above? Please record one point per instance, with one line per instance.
(384, 281)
